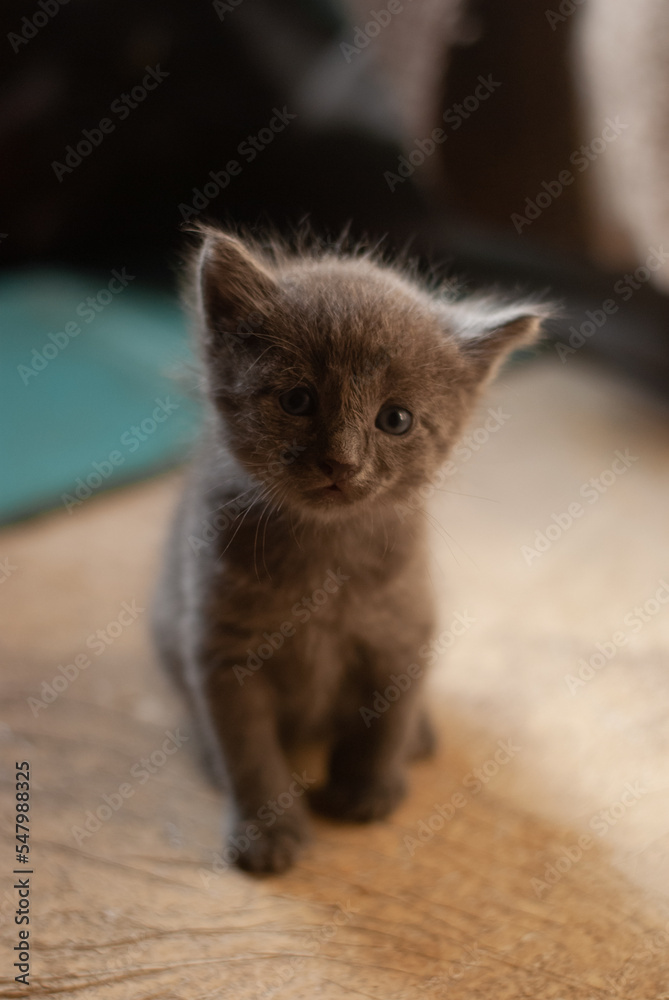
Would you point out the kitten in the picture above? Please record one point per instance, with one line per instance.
(292, 592)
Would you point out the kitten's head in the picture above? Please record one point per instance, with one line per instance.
(340, 382)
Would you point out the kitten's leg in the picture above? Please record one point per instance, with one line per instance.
(243, 730)
(367, 779)
(164, 624)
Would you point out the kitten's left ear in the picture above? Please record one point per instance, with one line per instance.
(235, 285)
(486, 333)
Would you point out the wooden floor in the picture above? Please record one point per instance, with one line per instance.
(531, 859)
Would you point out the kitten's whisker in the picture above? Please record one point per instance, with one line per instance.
(270, 514)
(291, 350)
(260, 356)
(384, 502)
(441, 531)
(454, 540)
(236, 531)
(276, 509)
(386, 536)
(299, 374)
(255, 543)
(474, 496)
(292, 528)
(369, 533)
(266, 513)
(238, 497)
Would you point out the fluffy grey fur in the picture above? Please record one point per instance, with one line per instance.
(292, 591)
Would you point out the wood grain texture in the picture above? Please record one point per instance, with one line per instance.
(136, 909)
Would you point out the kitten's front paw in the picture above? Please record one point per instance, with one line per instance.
(360, 801)
(277, 847)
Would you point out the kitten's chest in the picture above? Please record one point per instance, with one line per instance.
(309, 605)
(314, 574)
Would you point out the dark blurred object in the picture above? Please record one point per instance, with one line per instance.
(123, 200)
(227, 70)
(527, 132)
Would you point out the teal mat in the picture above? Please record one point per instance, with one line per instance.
(83, 411)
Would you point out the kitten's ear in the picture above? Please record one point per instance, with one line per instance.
(487, 333)
(236, 287)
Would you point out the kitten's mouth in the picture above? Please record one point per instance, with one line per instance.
(331, 492)
(341, 494)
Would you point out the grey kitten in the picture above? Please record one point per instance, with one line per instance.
(292, 591)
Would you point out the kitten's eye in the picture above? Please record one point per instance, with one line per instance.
(298, 402)
(394, 420)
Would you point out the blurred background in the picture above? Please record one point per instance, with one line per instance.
(517, 145)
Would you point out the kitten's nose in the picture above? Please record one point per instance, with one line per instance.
(338, 471)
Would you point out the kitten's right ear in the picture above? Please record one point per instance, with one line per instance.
(236, 288)
(487, 331)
